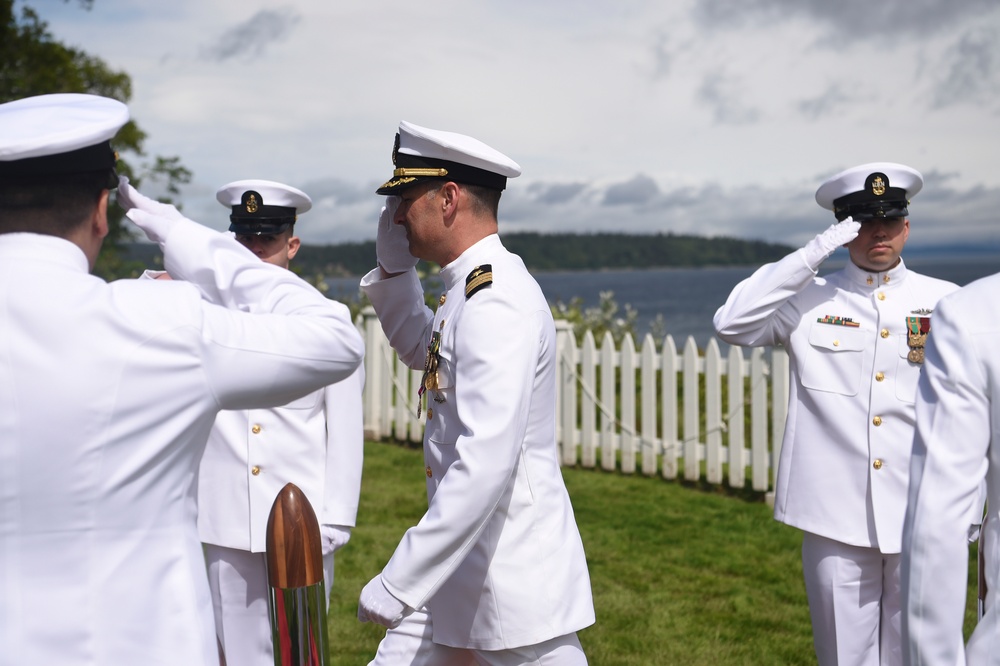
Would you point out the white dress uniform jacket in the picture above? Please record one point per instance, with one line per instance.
(107, 395)
(957, 445)
(316, 442)
(845, 456)
(497, 559)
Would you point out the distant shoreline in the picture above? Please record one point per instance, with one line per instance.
(589, 253)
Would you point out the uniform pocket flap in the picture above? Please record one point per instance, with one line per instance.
(837, 338)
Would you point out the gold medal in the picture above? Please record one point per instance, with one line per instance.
(917, 329)
(429, 381)
(431, 373)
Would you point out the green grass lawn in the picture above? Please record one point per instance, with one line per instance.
(680, 575)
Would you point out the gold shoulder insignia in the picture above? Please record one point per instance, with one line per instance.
(480, 278)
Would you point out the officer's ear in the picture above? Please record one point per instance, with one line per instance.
(99, 220)
(89, 235)
(293, 247)
(450, 194)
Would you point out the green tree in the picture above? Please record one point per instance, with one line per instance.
(33, 62)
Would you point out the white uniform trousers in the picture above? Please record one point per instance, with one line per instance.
(410, 644)
(855, 600)
(238, 580)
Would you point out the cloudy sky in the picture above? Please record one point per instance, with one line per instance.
(712, 117)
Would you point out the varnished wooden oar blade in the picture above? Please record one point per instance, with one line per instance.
(294, 550)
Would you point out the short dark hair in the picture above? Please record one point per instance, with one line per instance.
(54, 205)
(485, 200)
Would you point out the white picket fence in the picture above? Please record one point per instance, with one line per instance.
(677, 414)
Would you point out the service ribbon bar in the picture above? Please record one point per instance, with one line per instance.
(839, 321)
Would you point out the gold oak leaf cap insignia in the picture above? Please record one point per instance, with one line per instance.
(480, 278)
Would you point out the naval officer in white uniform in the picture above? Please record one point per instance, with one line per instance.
(494, 573)
(315, 442)
(956, 447)
(855, 344)
(108, 393)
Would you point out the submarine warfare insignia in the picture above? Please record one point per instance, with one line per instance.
(921, 311)
(480, 278)
(917, 329)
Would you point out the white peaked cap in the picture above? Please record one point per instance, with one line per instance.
(421, 153)
(56, 124)
(271, 193)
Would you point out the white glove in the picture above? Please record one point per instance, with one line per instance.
(974, 531)
(391, 246)
(154, 218)
(379, 606)
(821, 247)
(334, 537)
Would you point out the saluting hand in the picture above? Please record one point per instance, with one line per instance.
(391, 245)
(821, 247)
(154, 218)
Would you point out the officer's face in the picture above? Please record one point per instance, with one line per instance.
(277, 249)
(879, 243)
(419, 212)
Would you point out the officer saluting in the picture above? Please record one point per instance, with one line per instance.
(316, 442)
(495, 570)
(108, 392)
(855, 340)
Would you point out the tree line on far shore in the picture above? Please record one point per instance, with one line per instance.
(572, 252)
(545, 252)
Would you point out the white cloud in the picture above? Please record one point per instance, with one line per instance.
(718, 117)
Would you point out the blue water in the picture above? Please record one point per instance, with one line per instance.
(687, 298)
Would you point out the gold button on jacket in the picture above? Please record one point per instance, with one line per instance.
(255, 470)
(877, 420)
(877, 464)
(255, 429)
(879, 376)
